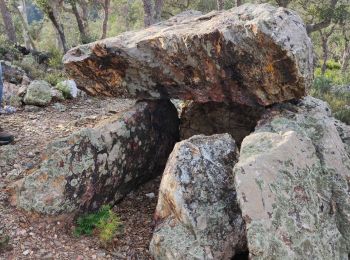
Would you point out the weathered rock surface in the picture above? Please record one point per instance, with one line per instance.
(197, 214)
(38, 93)
(293, 182)
(216, 118)
(100, 165)
(12, 73)
(253, 54)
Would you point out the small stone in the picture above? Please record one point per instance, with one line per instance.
(150, 195)
(26, 252)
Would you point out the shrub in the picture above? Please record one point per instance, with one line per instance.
(64, 88)
(322, 85)
(54, 77)
(31, 67)
(104, 222)
(343, 115)
(8, 50)
(55, 60)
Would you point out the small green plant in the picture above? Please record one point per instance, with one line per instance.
(54, 77)
(322, 84)
(64, 88)
(55, 60)
(105, 223)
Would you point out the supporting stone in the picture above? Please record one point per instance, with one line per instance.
(197, 214)
(100, 165)
(293, 182)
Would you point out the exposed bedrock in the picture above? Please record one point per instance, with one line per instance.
(253, 54)
(216, 118)
(197, 214)
(100, 165)
(293, 182)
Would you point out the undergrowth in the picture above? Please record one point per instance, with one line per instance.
(104, 223)
(332, 88)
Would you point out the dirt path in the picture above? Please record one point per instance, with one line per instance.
(36, 237)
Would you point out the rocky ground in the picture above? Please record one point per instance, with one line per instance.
(36, 237)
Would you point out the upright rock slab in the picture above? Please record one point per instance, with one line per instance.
(100, 165)
(293, 182)
(253, 54)
(197, 213)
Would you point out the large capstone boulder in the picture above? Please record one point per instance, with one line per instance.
(197, 214)
(253, 54)
(96, 166)
(38, 93)
(216, 118)
(292, 182)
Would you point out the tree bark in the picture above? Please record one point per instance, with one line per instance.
(148, 12)
(83, 35)
(238, 2)
(106, 17)
(59, 29)
(346, 52)
(23, 17)
(310, 28)
(158, 10)
(220, 4)
(324, 38)
(8, 22)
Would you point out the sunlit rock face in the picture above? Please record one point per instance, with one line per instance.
(96, 166)
(251, 55)
(292, 181)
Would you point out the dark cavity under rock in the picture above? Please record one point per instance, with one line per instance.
(217, 118)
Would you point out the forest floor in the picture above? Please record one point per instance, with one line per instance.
(33, 236)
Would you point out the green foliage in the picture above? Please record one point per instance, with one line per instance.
(55, 60)
(336, 96)
(31, 67)
(44, 5)
(343, 115)
(7, 50)
(322, 84)
(64, 88)
(104, 222)
(54, 77)
(333, 74)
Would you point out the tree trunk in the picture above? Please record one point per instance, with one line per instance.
(7, 18)
(23, 17)
(325, 54)
(238, 2)
(148, 10)
(105, 20)
(158, 10)
(220, 4)
(59, 29)
(83, 35)
(346, 57)
(24, 21)
(346, 52)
